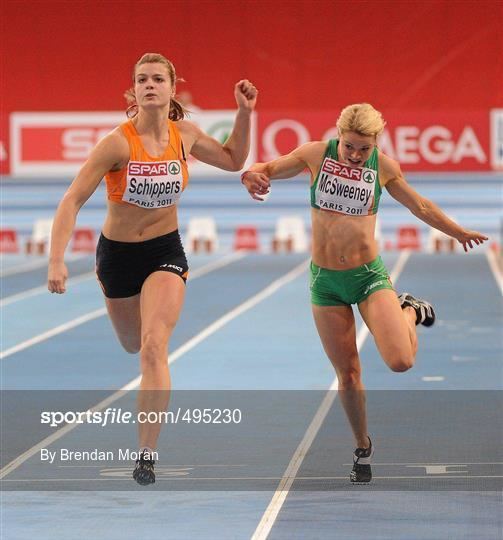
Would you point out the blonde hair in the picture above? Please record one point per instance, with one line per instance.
(176, 110)
(361, 118)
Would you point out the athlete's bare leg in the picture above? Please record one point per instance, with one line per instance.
(336, 327)
(161, 302)
(126, 320)
(393, 328)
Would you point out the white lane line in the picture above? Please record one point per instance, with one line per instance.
(198, 272)
(42, 289)
(400, 264)
(102, 311)
(456, 358)
(211, 329)
(228, 317)
(53, 332)
(271, 513)
(33, 265)
(433, 378)
(493, 265)
(215, 265)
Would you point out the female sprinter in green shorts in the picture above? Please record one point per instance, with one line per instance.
(347, 177)
(140, 261)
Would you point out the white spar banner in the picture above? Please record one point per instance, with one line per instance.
(58, 143)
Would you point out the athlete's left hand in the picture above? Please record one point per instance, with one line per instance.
(467, 237)
(246, 95)
(257, 184)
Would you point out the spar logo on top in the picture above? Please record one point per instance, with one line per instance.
(431, 141)
(58, 143)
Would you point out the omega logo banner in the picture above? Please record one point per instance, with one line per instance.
(432, 141)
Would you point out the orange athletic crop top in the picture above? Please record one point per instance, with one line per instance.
(147, 181)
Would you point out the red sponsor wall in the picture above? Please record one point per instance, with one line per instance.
(56, 144)
(438, 57)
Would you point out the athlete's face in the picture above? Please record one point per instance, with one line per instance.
(355, 149)
(152, 85)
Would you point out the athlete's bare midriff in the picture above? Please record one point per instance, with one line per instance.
(341, 242)
(129, 223)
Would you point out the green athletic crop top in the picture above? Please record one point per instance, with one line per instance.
(354, 191)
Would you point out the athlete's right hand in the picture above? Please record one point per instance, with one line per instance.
(56, 277)
(257, 184)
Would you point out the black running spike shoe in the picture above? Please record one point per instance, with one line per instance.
(362, 473)
(144, 471)
(425, 314)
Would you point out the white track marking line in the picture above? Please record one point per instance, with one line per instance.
(493, 265)
(42, 289)
(198, 272)
(33, 265)
(271, 513)
(214, 265)
(209, 330)
(53, 332)
(228, 317)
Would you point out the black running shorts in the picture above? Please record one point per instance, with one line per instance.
(122, 267)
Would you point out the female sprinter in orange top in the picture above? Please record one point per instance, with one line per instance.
(347, 177)
(140, 261)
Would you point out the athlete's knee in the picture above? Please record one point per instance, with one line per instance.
(349, 377)
(153, 351)
(401, 362)
(398, 354)
(131, 346)
(401, 367)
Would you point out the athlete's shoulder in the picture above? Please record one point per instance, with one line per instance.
(311, 149)
(189, 132)
(389, 168)
(113, 146)
(116, 137)
(186, 127)
(316, 145)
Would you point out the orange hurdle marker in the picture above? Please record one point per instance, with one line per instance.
(246, 237)
(84, 240)
(409, 238)
(8, 241)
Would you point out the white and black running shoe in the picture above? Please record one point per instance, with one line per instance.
(362, 472)
(425, 314)
(144, 471)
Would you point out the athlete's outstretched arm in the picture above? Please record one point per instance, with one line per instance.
(257, 178)
(424, 209)
(107, 153)
(231, 155)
